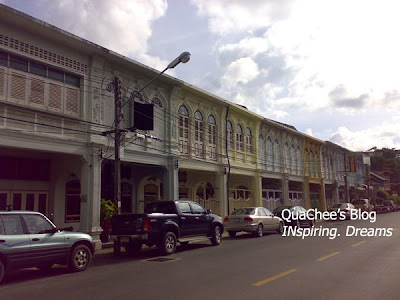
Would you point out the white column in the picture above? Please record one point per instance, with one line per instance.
(258, 189)
(222, 193)
(90, 196)
(171, 184)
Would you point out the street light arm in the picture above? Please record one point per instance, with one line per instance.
(184, 57)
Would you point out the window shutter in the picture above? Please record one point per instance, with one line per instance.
(37, 92)
(2, 84)
(18, 87)
(72, 101)
(55, 97)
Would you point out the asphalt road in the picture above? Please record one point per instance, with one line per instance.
(273, 267)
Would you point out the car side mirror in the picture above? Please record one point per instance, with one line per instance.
(208, 211)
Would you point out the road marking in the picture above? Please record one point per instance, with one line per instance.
(272, 278)
(358, 244)
(327, 256)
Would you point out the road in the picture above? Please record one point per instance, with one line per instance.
(273, 266)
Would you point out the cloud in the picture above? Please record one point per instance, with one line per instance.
(236, 16)
(318, 54)
(385, 135)
(123, 26)
(242, 70)
(339, 99)
(309, 132)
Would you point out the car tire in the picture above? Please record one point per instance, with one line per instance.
(2, 271)
(280, 228)
(79, 258)
(259, 231)
(168, 246)
(216, 236)
(45, 267)
(232, 234)
(133, 248)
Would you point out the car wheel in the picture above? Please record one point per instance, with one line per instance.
(169, 243)
(45, 267)
(280, 228)
(259, 231)
(133, 248)
(216, 236)
(2, 271)
(232, 234)
(79, 258)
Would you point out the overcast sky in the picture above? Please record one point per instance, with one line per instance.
(329, 68)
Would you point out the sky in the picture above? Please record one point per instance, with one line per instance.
(328, 68)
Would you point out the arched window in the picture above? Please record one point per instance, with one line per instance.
(198, 135)
(312, 161)
(293, 161)
(249, 142)
(263, 153)
(287, 157)
(277, 156)
(299, 161)
(183, 130)
(212, 137)
(229, 134)
(72, 201)
(239, 138)
(270, 154)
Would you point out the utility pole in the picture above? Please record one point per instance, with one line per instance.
(117, 144)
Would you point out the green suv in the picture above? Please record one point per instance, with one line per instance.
(28, 239)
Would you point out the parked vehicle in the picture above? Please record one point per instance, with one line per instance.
(381, 209)
(363, 204)
(164, 223)
(256, 220)
(345, 207)
(390, 205)
(296, 217)
(28, 239)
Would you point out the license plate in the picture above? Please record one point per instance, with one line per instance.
(236, 220)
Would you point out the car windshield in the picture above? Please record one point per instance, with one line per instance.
(160, 207)
(340, 205)
(244, 211)
(280, 208)
(358, 202)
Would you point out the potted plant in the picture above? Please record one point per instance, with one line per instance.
(107, 210)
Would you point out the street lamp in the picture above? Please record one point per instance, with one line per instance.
(184, 57)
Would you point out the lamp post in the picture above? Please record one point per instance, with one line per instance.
(184, 57)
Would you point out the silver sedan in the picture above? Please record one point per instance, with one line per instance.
(256, 220)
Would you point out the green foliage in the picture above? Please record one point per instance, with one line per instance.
(387, 161)
(107, 210)
(382, 194)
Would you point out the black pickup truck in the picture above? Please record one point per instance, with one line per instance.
(164, 223)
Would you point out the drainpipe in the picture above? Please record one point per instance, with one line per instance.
(227, 156)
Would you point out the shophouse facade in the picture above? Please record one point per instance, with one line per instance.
(57, 104)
